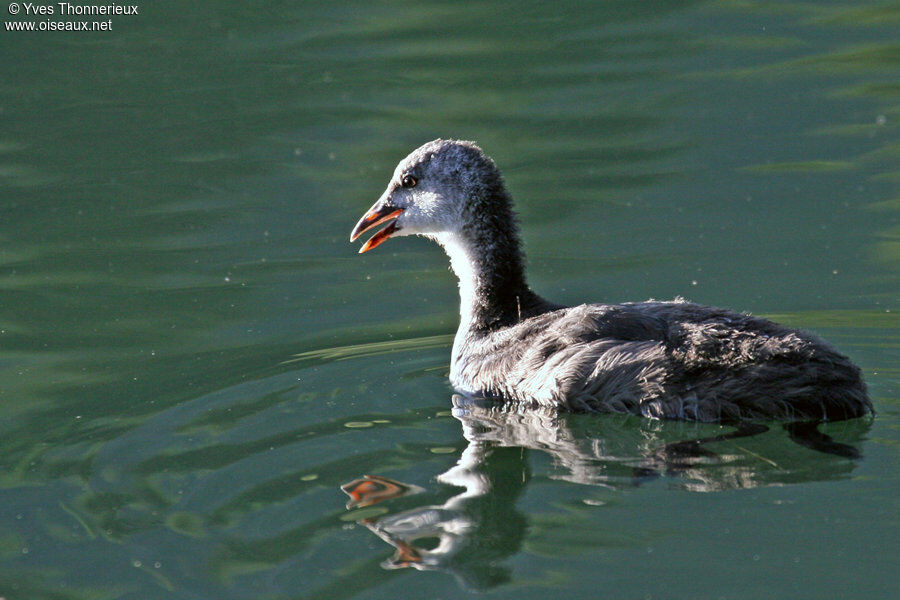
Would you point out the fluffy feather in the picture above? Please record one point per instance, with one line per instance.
(674, 360)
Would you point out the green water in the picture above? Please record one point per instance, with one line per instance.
(193, 359)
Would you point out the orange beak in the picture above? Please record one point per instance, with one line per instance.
(377, 215)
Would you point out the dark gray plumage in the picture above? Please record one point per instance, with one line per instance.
(657, 359)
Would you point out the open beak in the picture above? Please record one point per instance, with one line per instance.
(377, 215)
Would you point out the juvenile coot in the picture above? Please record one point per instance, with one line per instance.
(658, 359)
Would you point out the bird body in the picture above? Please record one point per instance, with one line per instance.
(661, 360)
(657, 359)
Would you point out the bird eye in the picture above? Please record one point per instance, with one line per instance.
(408, 181)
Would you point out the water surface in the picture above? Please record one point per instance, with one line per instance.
(193, 359)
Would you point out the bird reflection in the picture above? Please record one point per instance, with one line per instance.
(372, 489)
(471, 533)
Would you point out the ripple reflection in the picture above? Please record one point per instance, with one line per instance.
(472, 532)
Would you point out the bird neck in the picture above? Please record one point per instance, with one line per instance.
(492, 287)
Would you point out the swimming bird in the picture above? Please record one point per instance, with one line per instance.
(663, 360)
